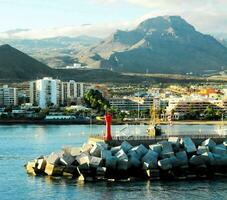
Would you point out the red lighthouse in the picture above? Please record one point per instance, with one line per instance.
(108, 119)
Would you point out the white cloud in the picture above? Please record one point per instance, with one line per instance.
(98, 30)
(209, 16)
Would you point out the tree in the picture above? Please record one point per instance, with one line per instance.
(94, 99)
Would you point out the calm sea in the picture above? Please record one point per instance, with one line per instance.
(21, 143)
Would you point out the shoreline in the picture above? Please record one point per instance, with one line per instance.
(98, 122)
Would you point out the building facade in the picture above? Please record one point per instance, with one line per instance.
(53, 92)
(8, 96)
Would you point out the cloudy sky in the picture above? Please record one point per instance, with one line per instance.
(99, 18)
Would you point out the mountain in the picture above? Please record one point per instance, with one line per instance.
(16, 65)
(55, 52)
(166, 44)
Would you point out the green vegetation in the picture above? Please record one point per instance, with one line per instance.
(95, 100)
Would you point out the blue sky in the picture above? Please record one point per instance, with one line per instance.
(46, 18)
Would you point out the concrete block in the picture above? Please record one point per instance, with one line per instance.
(189, 145)
(141, 150)
(156, 147)
(209, 143)
(105, 154)
(53, 170)
(67, 159)
(149, 156)
(30, 167)
(101, 172)
(175, 141)
(167, 155)
(95, 162)
(54, 158)
(86, 147)
(165, 164)
(121, 155)
(114, 150)
(182, 158)
(174, 161)
(199, 159)
(75, 151)
(134, 162)
(96, 150)
(166, 147)
(122, 164)
(151, 164)
(111, 162)
(83, 158)
(41, 164)
(125, 146)
(153, 173)
(202, 149)
(219, 149)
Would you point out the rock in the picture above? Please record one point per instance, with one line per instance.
(156, 147)
(53, 170)
(189, 145)
(111, 162)
(202, 149)
(165, 164)
(125, 146)
(209, 143)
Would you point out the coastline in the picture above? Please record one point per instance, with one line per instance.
(98, 122)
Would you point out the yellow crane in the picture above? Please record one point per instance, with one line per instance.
(154, 128)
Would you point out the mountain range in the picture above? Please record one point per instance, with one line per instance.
(166, 44)
(57, 52)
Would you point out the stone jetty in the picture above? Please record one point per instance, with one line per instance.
(174, 158)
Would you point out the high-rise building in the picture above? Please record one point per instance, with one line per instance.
(71, 91)
(48, 91)
(45, 92)
(8, 96)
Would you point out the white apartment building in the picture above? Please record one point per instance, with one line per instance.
(45, 92)
(49, 91)
(8, 96)
(71, 91)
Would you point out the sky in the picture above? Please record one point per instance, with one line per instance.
(51, 18)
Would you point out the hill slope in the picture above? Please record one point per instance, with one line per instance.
(159, 45)
(14, 64)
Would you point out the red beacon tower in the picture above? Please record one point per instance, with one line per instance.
(108, 119)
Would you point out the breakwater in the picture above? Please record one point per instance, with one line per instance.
(174, 158)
